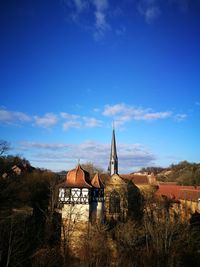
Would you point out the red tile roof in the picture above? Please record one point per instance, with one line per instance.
(78, 178)
(177, 191)
(189, 194)
(136, 178)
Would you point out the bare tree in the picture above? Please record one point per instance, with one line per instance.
(4, 147)
(95, 249)
(13, 240)
(91, 168)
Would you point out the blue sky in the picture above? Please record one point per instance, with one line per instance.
(68, 68)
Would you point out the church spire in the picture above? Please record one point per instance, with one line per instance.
(113, 166)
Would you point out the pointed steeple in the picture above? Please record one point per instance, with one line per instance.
(113, 166)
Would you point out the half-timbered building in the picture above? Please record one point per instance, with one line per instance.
(80, 197)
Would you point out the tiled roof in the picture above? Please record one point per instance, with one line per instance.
(136, 178)
(189, 194)
(78, 178)
(96, 181)
(179, 191)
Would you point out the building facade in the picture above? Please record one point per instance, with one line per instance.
(102, 198)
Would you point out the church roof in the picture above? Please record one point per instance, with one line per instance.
(113, 153)
(96, 181)
(78, 178)
(179, 191)
(136, 179)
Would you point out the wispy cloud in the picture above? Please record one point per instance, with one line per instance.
(77, 7)
(48, 120)
(92, 122)
(100, 13)
(36, 145)
(123, 113)
(101, 23)
(69, 116)
(13, 117)
(180, 117)
(80, 5)
(81, 122)
(77, 121)
(71, 124)
(131, 156)
(100, 16)
(149, 9)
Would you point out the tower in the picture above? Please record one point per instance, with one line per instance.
(113, 166)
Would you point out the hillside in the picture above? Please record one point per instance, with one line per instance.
(183, 173)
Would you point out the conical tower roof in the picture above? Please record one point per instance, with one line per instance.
(113, 166)
(113, 154)
(96, 181)
(78, 177)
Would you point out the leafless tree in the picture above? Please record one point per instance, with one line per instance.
(4, 147)
(13, 238)
(95, 250)
(91, 168)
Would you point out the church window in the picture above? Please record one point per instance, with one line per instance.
(114, 202)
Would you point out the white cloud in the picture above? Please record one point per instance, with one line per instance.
(13, 117)
(123, 113)
(131, 156)
(98, 8)
(149, 9)
(96, 110)
(80, 5)
(92, 122)
(71, 124)
(77, 8)
(101, 5)
(155, 115)
(77, 121)
(48, 120)
(101, 14)
(69, 116)
(57, 146)
(101, 23)
(67, 120)
(81, 122)
(115, 109)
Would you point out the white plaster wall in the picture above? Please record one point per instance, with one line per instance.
(76, 213)
(100, 211)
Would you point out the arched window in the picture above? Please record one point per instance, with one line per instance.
(114, 202)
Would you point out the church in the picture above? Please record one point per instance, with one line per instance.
(102, 198)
